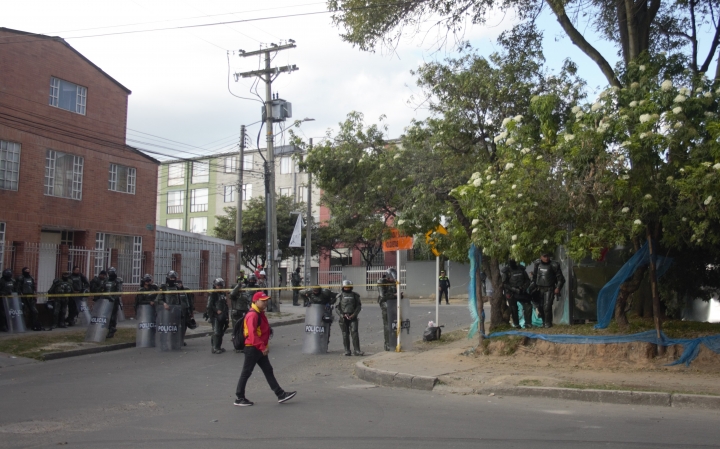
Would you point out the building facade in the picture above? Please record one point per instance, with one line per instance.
(72, 192)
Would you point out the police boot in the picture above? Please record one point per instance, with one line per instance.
(111, 332)
(61, 322)
(346, 343)
(212, 344)
(548, 312)
(356, 344)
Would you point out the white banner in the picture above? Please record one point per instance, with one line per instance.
(295, 239)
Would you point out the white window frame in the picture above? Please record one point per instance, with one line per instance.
(9, 165)
(196, 196)
(175, 202)
(246, 192)
(130, 175)
(302, 194)
(285, 165)
(200, 172)
(80, 96)
(248, 162)
(2, 245)
(168, 223)
(231, 164)
(229, 194)
(74, 186)
(286, 191)
(176, 174)
(194, 220)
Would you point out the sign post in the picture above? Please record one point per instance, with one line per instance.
(396, 243)
(430, 241)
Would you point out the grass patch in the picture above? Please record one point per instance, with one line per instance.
(445, 338)
(34, 346)
(530, 383)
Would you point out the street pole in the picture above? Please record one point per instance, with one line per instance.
(399, 295)
(267, 74)
(238, 218)
(308, 229)
(437, 291)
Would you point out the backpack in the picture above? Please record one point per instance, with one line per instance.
(238, 339)
(432, 334)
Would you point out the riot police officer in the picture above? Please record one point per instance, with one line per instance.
(7, 288)
(295, 280)
(387, 287)
(217, 313)
(240, 300)
(59, 304)
(146, 285)
(80, 285)
(26, 285)
(113, 284)
(188, 303)
(549, 280)
(97, 283)
(324, 297)
(515, 281)
(348, 309)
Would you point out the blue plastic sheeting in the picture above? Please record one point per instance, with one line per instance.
(691, 346)
(608, 295)
(475, 256)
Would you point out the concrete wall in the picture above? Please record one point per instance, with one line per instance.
(357, 276)
(459, 275)
(421, 279)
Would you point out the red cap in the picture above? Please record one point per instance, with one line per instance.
(260, 296)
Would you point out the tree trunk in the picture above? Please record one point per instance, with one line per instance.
(626, 289)
(655, 295)
(491, 266)
(480, 307)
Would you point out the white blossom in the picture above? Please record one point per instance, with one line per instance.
(679, 99)
(642, 102)
(633, 104)
(625, 177)
(699, 89)
(684, 91)
(677, 110)
(575, 109)
(505, 121)
(493, 182)
(520, 195)
(643, 135)
(670, 179)
(595, 107)
(709, 114)
(582, 235)
(513, 238)
(706, 164)
(666, 85)
(708, 200)
(579, 114)
(621, 158)
(477, 182)
(684, 219)
(510, 141)
(475, 221)
(717, 166)
(518, 118)
(600, 202)
(476, 175)
(637, 222)
(488, 177)
(509, 165)
(635, 85)
(397, 156)
(625, 210)
(513, 246)
(525, 150)
(642, 68)
(678, 125)
(514, 186)
(682, 170)
(493, 195)
(644, 118)
(545, 242)
(500, 136)
(602, 127)
(648, 196)
(538, 158)
(624, 117)
(474, 231)
(569, 137)
(625, 144)
(707, 95)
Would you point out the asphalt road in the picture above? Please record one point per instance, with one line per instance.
(143, 398)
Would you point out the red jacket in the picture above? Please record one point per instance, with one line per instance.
(256, 329)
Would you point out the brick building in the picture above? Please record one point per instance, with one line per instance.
(71, 191)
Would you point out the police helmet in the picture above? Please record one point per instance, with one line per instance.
(65, 275)
(347, 284)
(251, 279)
(512, 263)
(147, 278)
(171, 277)
(316, 289)
(7, 273)
(192, 324)
(219, 282)
(112, 273)
(391, 273)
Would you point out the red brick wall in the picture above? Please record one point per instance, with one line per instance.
(99, 137)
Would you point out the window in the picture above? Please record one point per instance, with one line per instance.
(199, 200)
(231, 164)
(175, 202)
(246, 192)
(248, 162)
(122, 179)
(9, 165)
(285, 165)
(68, 96)
(174, 223)
(63, 175)
(2, 245)
(198, 225)
(286, 191)
(229, 195)
(200, 172)
(176, 174)
(130, 256)
(303, 192)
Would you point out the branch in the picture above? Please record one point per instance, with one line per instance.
(582, 43)
(713, 48)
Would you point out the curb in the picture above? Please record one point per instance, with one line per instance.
(651, 398)
(108, 348)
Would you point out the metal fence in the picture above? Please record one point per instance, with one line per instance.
(374, 274)
(333, 276)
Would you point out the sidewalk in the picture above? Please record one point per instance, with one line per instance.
(613, 374)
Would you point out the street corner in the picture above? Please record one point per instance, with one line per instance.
(8, 360)
(387, 378)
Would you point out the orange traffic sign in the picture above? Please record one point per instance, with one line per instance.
(397, 241)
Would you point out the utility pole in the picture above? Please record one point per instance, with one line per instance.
(308, 229)
(238, 218)
(268, 75)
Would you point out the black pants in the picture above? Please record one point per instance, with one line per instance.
(445, 291)
(254, 356)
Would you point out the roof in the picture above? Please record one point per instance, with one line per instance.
(62, 41)
(135, 150)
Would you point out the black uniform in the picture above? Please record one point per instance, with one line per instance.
(187, 300)
(60, 286)
(241, 301)
(295, 281)
(26, 285)
(348, 308)
(112, 284)
(515, 283)
(147, 299)
(444, 289)
(7, 288)
(547, 277)
(96, 285)
(217, 310)
(80, 284)
(388, 290)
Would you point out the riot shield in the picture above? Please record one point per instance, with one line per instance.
(145, 336)
(316, 331)
(120, 313)
(99, 320)
(14, 313)
(405, 339)
(83, 310)
(168, 332)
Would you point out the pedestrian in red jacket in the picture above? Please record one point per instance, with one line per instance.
(257, 337)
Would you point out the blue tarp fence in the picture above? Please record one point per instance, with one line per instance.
(475, 256)
(608, 295)
(691, 346)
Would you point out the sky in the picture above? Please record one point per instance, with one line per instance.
(181, 105)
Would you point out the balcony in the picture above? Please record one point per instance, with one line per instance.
(199, 208)
(175, 209)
